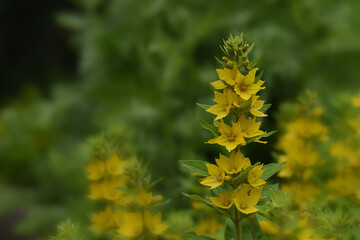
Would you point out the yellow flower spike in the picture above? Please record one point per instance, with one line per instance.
(216, 178)
(244, 85)
(254, 177)
(96, 191)
(144, 198)
(224, 102)
(228, 75)
(230, 137)
(95, 170)
(154, 224)
(256, 105)
(269, 228)
(232, 165)
(132, 225)
(225, 199)
(250, 128)
(245, 201)
(114, 166)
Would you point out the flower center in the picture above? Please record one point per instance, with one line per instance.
(225, 106)
(231, 137)
(243, 87)
(243, 205)
(227, 202)
(219, 178)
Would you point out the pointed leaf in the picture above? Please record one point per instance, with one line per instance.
(209, 127)
(270, 169)
(229, 232)
(248, 51)
(196, 166)
(258, 77)
(204, 106)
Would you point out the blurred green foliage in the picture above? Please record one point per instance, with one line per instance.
(142, 67)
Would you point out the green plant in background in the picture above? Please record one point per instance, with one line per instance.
(143, 64)
(239, 185)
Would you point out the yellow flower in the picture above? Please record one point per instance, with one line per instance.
(269, 228)
(114, 166)
(216, 178)
(224, 102)
(225, 199)
(227, 75)
(250, 128)
(245, 86)
(230, 137)
(234, 164)
(246, 199)
(102, 221)
(154, 223)
(132, 225)
(256, 105)
(254, 177)
(95, 170)
(144, 198)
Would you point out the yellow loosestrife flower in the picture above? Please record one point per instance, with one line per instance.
(95, 170)
(234, 164)
(256, 105)
(250, 128)
(228, 75)
(144, 198)
(114, 166)
(216, 178)
(132, 225)
(154, 223)
(245, 86)
(225, 199)
(224, 102)
(230, 137)
(246, 199)
(254, 177)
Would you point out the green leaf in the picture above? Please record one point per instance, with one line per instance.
(203, 200)
(246, 104)
(204, 106)
(258, 77)
(192, 235)
(265, 107)
(248, 51)
(268, 134)
(195, 166)
(270, 169)
(209, 127)
(253, 63)
(229, 232)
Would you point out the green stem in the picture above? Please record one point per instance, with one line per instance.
(237, 223)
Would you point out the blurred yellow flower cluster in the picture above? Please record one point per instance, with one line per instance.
(121, 185)
(299, 150)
